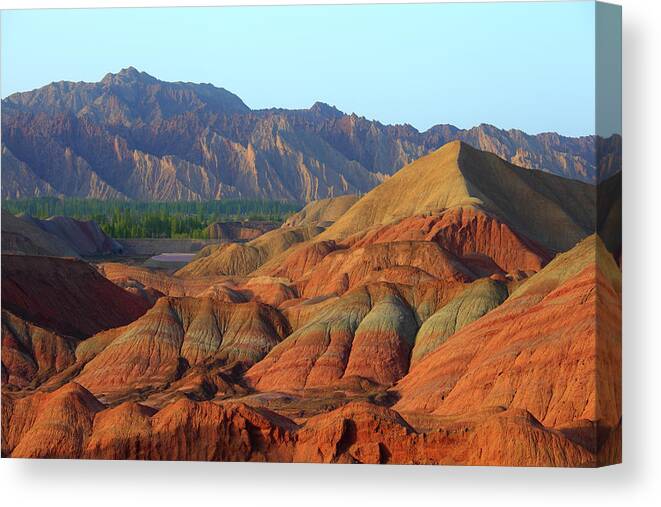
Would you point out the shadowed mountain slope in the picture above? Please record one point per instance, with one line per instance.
(56, 236)
(20, 235)
(67, 296)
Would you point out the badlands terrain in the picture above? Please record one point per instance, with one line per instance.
(457, 310)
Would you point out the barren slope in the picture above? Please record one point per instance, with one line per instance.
(67, 296)
(552, 211)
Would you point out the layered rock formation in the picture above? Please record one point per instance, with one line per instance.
(366, 335)
(463, 312)
(25, 237)
(178, 333)
(531, 352)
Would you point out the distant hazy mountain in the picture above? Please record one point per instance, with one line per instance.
(133, 136)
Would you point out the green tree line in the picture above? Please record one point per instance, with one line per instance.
(133, 219)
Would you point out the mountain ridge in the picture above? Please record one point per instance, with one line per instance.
(134, 136)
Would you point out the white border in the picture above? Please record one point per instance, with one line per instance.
(636, 482)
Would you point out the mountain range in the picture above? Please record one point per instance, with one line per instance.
(132, 136)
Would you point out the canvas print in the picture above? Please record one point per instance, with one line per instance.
(384, 234)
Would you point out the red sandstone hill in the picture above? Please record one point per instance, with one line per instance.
(460, 244)
(67, 296)
(471, 394)
(70, 422)
(176, 334)
(534, 354)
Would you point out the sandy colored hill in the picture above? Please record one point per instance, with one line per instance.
(552, 211)
(244, 258)
(238, 231)
(322, 212)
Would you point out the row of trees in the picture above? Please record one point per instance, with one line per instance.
(132, 219)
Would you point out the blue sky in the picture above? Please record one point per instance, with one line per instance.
(514, 65)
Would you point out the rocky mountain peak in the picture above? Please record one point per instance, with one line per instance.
(128, 75)
(326, 110)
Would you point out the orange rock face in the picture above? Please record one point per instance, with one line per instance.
(31, 353)
(482, 242)
(365, 433)
(531, 353)
(53, 425)
(414, 260)
(70, 422)
(187, 430)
